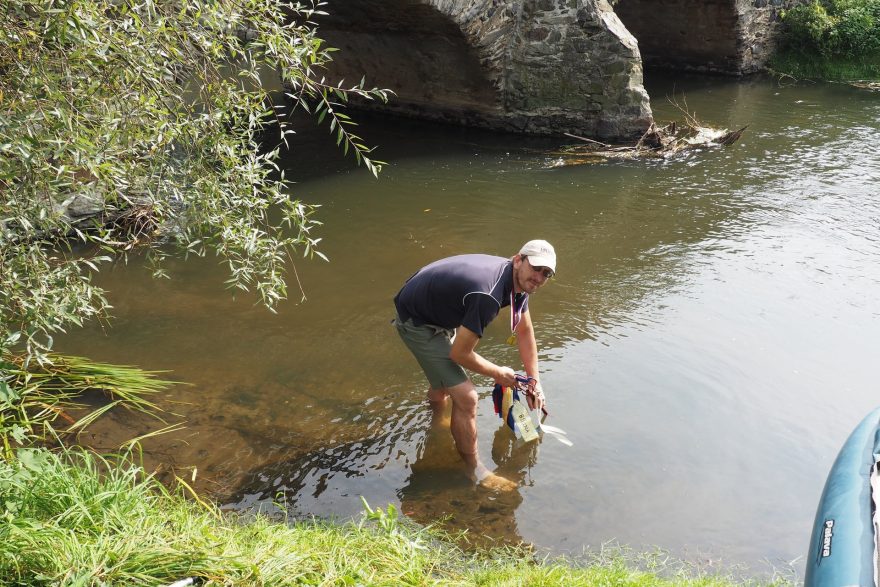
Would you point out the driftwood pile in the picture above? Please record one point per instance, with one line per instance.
(874, 86)
(657, 141)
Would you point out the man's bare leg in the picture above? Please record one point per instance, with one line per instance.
(440, 416)
(464, 432)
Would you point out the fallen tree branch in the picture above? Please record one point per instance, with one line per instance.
(655, 142)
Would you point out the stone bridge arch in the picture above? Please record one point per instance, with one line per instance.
(732, 37)
(534, 66)
(542, 66)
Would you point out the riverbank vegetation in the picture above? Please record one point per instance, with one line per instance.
(836, 40)
(76, 519)
(143, 126)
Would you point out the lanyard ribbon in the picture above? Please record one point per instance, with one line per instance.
(516, 310)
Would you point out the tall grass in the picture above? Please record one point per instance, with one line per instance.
(34, 396)
(77, 519)
(817, 67)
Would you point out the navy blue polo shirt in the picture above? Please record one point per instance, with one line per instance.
(465, 290)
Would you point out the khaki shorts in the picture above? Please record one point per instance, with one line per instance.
(431, 345)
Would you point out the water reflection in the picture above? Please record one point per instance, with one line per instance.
(438, 487)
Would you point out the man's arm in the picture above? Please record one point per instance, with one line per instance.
(528, 352)
(463, 352)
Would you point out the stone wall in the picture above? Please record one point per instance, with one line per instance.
(573, 65)
(731, 37)
(759, 25)
(535, 66)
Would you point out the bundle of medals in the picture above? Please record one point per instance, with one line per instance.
(511, 406)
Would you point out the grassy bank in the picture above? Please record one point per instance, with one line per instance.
(76, 519)
(801, 65)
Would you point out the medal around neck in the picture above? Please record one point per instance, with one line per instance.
(515, 315)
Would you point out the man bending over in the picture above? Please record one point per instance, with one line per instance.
(442, 311)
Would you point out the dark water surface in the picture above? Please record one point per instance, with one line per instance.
(710, 341)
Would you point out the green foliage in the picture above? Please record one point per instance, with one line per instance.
(132, 122)
(834, 28)
(808, 25)
(858, 31)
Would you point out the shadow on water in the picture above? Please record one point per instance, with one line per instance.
(680, 343)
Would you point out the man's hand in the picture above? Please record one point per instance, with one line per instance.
(535, 395)
(506, 377)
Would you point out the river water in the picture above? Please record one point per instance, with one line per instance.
(708, 344)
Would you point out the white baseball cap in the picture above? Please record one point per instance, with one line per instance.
(540, 254)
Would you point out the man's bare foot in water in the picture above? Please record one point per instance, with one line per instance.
(497, 483)
(490, 480)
